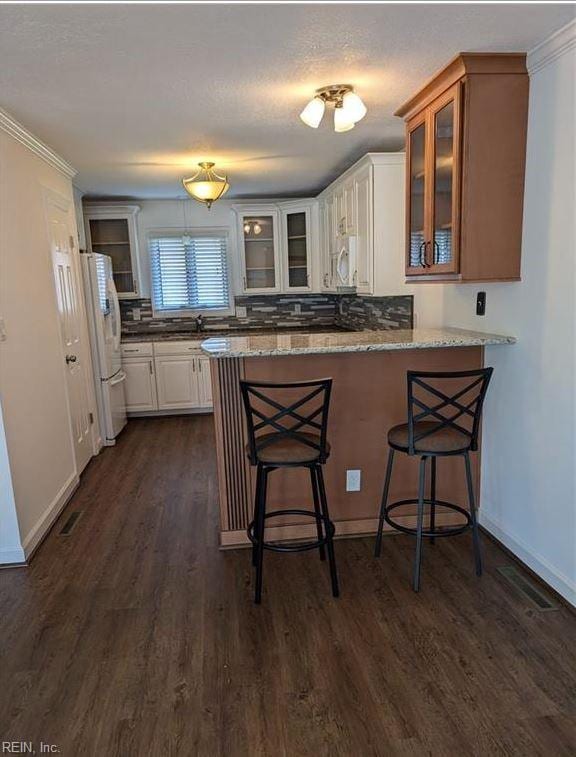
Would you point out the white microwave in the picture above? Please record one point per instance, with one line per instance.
(344, 270)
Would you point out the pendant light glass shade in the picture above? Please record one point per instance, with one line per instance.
(353, 106)
(206, 186)
(313, 112)
(342, 121)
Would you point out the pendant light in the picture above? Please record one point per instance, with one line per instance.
(206, 186)
(348, 107)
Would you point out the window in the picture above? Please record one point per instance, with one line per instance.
(189, 271)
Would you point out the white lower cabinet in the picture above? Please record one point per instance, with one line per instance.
(204, 382)
(140, 384)
(177, 382)
(166, 376)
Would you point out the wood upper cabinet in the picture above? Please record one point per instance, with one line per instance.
(465, 159)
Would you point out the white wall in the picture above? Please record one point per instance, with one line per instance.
(529, 460)
(180, 214)
(32, 381)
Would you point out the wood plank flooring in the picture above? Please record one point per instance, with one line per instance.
(135, 635)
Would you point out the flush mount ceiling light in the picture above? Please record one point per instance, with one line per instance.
(206, 186)
(348, 107)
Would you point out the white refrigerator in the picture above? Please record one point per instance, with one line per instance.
(105, 329)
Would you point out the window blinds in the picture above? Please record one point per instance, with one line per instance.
(189, 272)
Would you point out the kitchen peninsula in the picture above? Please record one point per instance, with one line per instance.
(368, 369)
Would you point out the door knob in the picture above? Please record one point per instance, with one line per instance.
(71, 359)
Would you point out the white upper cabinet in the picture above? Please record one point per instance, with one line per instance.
(367, 203)
(277, 245)
(111, 230)
(258, 233)
(296, 247)
(363, 229)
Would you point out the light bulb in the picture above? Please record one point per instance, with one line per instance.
(353, 106)
(313, 112)
(257, 228)
(342, 120)
(246, 228)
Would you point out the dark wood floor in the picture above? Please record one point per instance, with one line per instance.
(135, 635)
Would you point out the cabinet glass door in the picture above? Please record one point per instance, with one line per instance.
(259, 256)
(297, 244)
(444, 122)
(110, 236)
(417, 197)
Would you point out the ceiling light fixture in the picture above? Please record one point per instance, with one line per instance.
(206, 186)
(348, 107)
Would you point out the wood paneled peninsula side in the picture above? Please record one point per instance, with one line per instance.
(368, 397)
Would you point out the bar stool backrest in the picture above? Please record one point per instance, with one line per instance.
(459, 409)
(294, 410)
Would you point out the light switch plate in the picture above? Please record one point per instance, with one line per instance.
(353, 480)
(3, 334)
(136, 314)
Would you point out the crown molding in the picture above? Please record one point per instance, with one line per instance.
(21, 134)
(552, 47)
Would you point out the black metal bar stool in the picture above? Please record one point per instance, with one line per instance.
(287, 426)
(439, 425)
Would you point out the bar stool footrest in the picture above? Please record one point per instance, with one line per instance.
(297, 547)
(444, 531)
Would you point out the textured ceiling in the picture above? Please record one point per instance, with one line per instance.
(135, 95)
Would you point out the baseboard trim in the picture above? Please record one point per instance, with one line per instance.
(536, 563)
(35, 537)
(344, 529)
(164, 413)
(12, 558)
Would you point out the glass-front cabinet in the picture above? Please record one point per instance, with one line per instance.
(296, 247)
(111, 230)
(275, 247)
(433, 146)
(258, 232)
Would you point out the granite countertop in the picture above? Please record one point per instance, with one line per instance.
(361, 341)
(178, 336)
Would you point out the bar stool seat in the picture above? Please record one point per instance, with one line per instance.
(432, 438)
(287, 450)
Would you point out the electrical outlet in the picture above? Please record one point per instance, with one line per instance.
(240, 311)
(297, 308)
(353, 480)
(136, 315)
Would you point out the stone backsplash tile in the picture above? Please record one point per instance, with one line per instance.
(266, 311)
(395, 312)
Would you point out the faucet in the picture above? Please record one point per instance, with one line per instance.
(199, 323)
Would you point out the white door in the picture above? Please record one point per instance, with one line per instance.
(349, 209)
(364, 243)
(140, 384)
(205, 382)
(71, 328)
(177, 382)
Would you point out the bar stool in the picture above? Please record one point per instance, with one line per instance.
(287, 426)
(439, 425)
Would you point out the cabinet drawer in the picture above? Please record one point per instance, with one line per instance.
(136, 349)
(177, 348)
